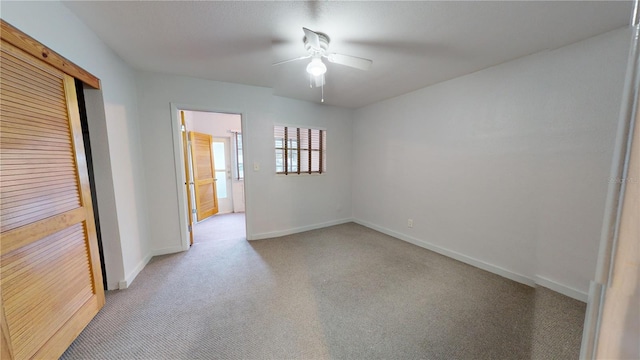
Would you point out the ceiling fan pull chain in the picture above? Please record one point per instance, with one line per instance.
(322, 90)
(310, 81)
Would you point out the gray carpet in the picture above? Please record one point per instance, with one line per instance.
(220, 227)
(344, 292)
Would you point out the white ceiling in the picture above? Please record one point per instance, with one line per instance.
(412, 44)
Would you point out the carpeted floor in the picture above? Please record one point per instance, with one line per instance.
(344, 292)
(220, 227)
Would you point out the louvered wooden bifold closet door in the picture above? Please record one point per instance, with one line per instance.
(51, 284)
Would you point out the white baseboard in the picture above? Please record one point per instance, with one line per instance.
(168, 250)
(452, 254)
(536, 280)
(273, 234)
(132, 275)
(562, 289)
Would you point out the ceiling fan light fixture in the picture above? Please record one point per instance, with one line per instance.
(316, 67)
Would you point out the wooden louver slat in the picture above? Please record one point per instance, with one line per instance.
(18, 126)
(44, 122)
(17, 95)
(35, 74)
(36, 192)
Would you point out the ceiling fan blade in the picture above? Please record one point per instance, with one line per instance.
(318, 80)
(351, 61)
(290, 60)
(312, 38)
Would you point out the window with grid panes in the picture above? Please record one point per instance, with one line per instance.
(300, 150)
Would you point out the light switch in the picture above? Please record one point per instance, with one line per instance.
(256, 166)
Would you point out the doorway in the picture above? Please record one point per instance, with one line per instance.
(214, 175)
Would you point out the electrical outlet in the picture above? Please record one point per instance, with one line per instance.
(410, 223)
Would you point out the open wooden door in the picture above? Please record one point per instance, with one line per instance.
(51, 283)
(185, 149)
(204, 175)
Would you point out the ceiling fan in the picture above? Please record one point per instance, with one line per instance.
(317, 45)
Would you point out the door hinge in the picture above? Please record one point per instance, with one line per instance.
(183, 128)
(189, 227)
(193, 211)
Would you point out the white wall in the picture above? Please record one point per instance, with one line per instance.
(505, 168)
(216, 124)
(273, 202)
(113, 128)
(219, 125)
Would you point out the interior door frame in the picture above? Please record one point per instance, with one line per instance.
(187, 174)
(178, 156)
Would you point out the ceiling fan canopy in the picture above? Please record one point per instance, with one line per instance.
(315, 42)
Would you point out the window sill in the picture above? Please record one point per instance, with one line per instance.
(299, 175)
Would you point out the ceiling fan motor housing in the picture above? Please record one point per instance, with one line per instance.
(324, 44)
